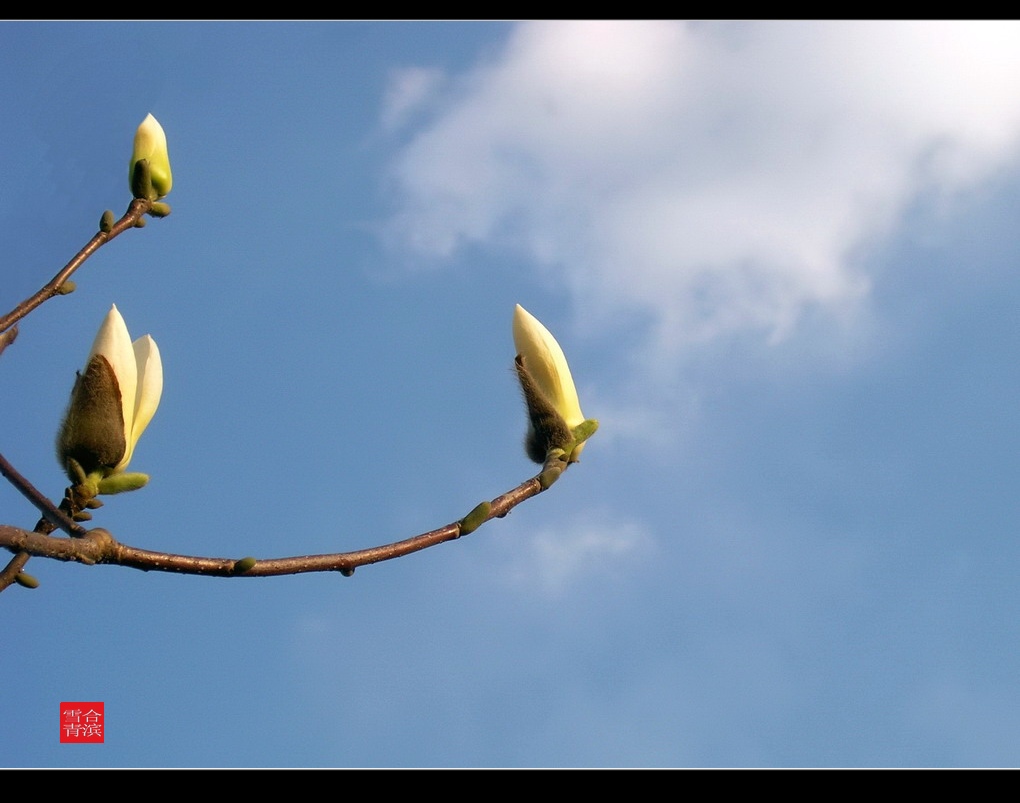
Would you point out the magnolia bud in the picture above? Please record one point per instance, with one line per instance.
(153, 179)
(111, 404)
(553, 408)
(93, 430)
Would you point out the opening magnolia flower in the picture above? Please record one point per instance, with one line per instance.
(150, 145)
(553, 407)
(112, 402)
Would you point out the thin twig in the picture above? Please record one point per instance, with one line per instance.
(13, 568)
(8, 337)
(135, 211)
(49, 511)
(52, 516)
(99, 546)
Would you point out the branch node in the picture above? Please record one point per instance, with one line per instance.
(476, 518)
(244, 564)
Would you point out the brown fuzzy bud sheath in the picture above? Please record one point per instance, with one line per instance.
(93, 429)
(546, 427)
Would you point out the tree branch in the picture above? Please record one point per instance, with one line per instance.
(52, 516)
(136, 209)
(99, 546)
(50, 512)
(7, 337)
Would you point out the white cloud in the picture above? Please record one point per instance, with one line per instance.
(554, 559)
(409, 89)
(708, 177)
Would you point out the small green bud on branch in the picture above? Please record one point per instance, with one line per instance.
(26, 580)
(476, 518)
(244, 564)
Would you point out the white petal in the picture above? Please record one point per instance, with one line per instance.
(114, 343)
(545, 362)
(150, 389)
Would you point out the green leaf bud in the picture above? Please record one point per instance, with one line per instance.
(121, 482)
(75, 473)
(141, 180)
(244, 564)
(549, 476)
(26, 580)
(476, 518)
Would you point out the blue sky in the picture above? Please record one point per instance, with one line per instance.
(781, 259)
